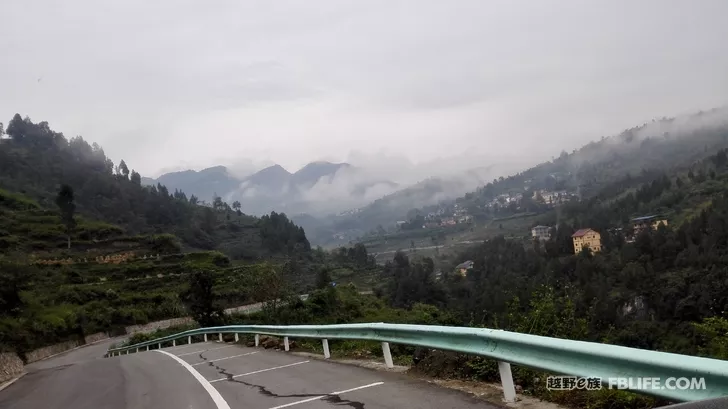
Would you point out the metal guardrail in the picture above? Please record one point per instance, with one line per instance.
(556, 356)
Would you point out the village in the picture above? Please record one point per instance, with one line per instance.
(589, 238)
(583, 239)
(506, 204)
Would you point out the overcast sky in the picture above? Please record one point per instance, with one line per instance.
(174, 83)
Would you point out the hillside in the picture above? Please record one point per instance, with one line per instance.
(604, 169)
(382, 213)
(662, 145)
(36, 160)
(105, 281)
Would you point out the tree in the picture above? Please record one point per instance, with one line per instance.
(136, 178)
(200, 299)
(14, 279)
(323, 278)
(270, 288)
(124, 169)
(194, 200)
(16, 128)
(720, 159)
(237, 206)
(217, 203)
(67, 206)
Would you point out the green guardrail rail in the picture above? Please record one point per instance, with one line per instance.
(556, 356)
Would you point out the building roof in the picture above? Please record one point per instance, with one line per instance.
(541, 227)
(639, 219)
(581, 232)
(467, 264)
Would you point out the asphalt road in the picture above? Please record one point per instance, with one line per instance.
(218, 376)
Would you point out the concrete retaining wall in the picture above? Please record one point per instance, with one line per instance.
(45, 352)
(96, 337)
(10, 366)
(153, 326)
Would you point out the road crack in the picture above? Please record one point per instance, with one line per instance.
(327, 397)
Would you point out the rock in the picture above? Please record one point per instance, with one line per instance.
(519, 389)
(250, 344)
(419, 354)
(268, 342)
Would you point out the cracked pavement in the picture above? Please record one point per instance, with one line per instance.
(241, 377)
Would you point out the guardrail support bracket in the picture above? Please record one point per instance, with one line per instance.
(257, 339)
(327, 353)
(509, 390)
(285, 343)
(387, 355)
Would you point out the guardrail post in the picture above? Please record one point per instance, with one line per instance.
(159, 346)
(189, 339)
(387, 355)
(509, 390)
(237, 337)
(174, 342)
(327, 353)
(285, 343)
(257, 339)
(147, 347)
(137, 349)
(205, 337)
(219, 337)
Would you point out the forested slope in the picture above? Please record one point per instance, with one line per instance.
(35, 161)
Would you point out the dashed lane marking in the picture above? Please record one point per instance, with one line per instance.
(214, 394)
(261, 370)
(323, 396)
(222, 359)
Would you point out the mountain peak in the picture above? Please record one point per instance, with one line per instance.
(311, 173)
(272, 175)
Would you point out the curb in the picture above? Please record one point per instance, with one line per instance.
(12, 381)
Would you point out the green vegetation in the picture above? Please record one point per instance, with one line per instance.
(139, 254)
(36, 160)
(85, 248)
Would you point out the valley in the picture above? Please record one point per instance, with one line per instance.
(86, 248)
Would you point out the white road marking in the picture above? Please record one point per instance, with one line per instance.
(222, 359)
(330, 394)
(214, 394)
(259, 371)
(205, 350)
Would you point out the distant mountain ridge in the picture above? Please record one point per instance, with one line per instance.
(276, 189)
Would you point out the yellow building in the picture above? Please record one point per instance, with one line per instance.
(587, 238)
(643, 223)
